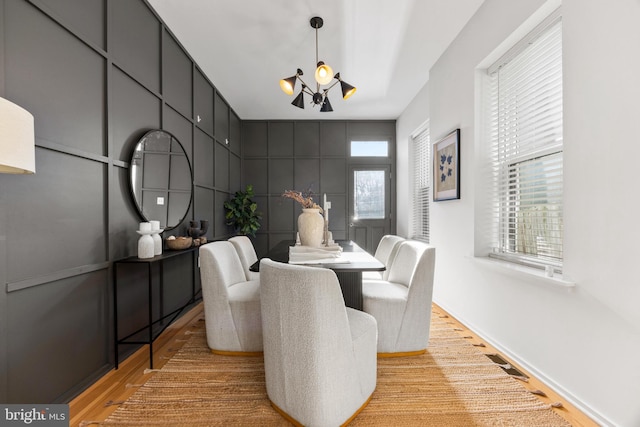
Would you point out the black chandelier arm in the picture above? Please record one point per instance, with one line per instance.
(305, 86)
(334, 83)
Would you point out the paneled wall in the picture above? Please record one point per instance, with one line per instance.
(96, 75)
(302, 155)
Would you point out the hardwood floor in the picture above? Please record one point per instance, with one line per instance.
(97, 402)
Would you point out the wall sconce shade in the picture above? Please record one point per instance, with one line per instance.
(17, 139)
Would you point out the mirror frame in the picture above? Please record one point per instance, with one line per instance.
(138, 203)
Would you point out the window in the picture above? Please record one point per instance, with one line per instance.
(369, 194)
(369, 149)
(421, 153)
(524, 121)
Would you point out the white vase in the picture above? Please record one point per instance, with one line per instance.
(145, 246)
(157, 240)
(311, 227)
(157, 244)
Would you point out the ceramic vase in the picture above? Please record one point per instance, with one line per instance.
(145, 243)
(311, 227)
(157, 240)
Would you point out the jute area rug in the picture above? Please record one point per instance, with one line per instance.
(453, 384)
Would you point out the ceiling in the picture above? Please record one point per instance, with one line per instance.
(384, 48)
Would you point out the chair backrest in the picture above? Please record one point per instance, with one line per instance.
(220, 266)
(396, 241)
(231, 302)
(407, 259)
(418, 310)
(246, 252)
(308, 350)
(386, 246)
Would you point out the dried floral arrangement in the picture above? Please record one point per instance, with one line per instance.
(305, 199)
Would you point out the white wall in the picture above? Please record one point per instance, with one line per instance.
(583, 342)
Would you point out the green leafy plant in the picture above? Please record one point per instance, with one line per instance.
(242, 212)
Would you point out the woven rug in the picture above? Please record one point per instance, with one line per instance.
(453, 384)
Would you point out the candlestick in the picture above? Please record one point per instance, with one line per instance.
(326, 206)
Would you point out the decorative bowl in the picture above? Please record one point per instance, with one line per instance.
(179, 243)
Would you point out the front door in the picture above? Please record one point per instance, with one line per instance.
(369, 204)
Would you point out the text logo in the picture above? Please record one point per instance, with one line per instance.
(34, 415)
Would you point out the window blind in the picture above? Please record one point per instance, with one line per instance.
(525, 131)
(421, 154)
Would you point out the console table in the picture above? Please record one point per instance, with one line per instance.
(151, 335)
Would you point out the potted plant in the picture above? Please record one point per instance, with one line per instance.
(242, 212)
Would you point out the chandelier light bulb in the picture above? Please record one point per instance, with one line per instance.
(324, 73)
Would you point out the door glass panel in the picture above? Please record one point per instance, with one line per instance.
(369, 194)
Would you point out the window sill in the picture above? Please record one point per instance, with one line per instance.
(521, 270)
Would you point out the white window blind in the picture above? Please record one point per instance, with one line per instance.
(525, 131)
(421, 154)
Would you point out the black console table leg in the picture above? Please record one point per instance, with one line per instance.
(150, 317)
(115, 313)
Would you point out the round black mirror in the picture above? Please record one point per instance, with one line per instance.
(160, 179)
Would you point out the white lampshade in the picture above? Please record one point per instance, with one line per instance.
(17, 139)
(324, 73)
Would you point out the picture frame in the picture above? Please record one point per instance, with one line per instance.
(446, 167)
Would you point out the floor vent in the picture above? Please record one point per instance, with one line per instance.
(505, 365)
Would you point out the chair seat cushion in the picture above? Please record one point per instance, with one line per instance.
(382, 289)
(253, 275)
(371, 275)
(245, 291)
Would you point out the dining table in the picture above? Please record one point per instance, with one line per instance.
(348, 266)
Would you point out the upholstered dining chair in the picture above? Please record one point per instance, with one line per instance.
(231, 302)
(402, 303)
(319, 356)
(247, 254)
(385, 253)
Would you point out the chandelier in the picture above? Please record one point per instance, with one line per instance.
(323, 76)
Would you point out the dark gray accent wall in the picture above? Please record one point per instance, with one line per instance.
(302, 155)
(96, 75)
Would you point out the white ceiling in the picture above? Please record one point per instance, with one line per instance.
(385, 48)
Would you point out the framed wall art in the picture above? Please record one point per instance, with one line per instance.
(446, 167)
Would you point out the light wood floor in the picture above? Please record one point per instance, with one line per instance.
(97, 402)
